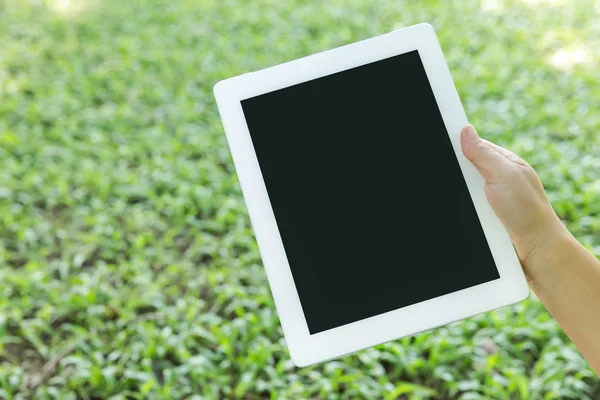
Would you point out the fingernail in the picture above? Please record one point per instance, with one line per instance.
(471, 133)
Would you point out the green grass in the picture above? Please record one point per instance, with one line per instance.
(126, 253)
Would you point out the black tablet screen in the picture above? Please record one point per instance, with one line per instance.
(370, 201)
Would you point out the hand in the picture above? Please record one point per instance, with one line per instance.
(563, 274)
(517, 196)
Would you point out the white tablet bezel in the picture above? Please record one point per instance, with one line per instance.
(305, 348)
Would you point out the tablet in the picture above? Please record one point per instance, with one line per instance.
(371, 223)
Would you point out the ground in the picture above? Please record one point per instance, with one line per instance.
(128, 268)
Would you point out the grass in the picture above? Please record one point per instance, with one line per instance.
(128, 268)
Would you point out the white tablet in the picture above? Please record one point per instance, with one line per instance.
(371, 223)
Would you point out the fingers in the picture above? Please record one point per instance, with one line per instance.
(489, 161)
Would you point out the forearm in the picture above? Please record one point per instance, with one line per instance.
(567, 281)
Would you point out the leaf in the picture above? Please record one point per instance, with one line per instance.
(406, 388)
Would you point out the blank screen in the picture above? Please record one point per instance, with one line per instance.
(367, 192)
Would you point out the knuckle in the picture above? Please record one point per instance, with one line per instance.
(481, 146)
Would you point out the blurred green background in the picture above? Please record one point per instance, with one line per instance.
(128, 268)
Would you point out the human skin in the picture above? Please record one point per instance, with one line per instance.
(561, 272)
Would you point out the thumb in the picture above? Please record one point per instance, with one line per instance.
(490, 163)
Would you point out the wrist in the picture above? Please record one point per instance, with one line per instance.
(547, 251)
